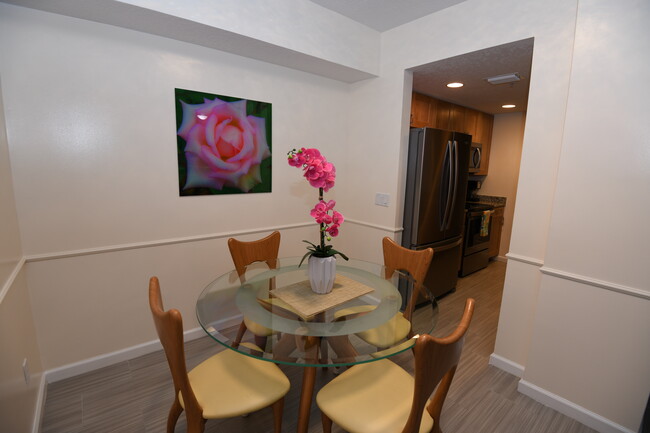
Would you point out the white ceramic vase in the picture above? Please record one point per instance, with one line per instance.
(322, 272)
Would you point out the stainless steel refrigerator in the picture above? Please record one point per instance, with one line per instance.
(434, 207)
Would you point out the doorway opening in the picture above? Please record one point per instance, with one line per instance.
(493, 80)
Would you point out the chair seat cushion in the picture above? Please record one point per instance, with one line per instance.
(256, 328)
(231, 384)
(384, 335)
(262, 330)
(371, 398)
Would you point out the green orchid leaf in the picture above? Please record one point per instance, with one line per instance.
(304, 257)
(334, 252)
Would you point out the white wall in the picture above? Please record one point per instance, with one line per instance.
(18, 341)
(505, 158)
(100, 165)
(591, 338)
(90, 118)
(380, 109)
(279, 22)
(525, 329)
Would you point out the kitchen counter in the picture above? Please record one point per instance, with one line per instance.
(489, 199)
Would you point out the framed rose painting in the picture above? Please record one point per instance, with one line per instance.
(223, 144)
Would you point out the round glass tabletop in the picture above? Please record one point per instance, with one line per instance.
(273, 314)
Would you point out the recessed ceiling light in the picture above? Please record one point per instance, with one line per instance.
(508, 106)
(455, 85)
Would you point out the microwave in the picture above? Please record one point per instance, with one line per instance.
(475, 156)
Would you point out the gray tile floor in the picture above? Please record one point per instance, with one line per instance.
(134, 396)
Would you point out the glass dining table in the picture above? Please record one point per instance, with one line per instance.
(363, 319)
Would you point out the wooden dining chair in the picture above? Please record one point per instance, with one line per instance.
(396, 258)
(225, 385)
(244, 254)
(381, 397)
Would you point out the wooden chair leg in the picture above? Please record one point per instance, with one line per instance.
(240, 334)
(327, 423)
(260, 341)
(174, 412)
(278, 408)
(195, 425)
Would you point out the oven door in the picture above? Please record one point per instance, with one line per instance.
(474, 241)
(475, 156)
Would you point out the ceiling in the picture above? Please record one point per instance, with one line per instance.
(430, 79)
(383, 15)
(471, 69)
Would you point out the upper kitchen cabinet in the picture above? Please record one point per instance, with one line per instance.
(436, 113)
(420, 111)
(469, 124)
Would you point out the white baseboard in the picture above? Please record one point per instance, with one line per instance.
(40, 404)
(506, 365)
(126, 354)
(572, 410)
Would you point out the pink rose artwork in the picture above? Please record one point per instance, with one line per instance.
(225, 148)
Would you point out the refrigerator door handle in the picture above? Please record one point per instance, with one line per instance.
(455, 186)
(449, 169)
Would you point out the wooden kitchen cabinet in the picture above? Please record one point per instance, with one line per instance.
(420, 111)
(442, 114)
(456, 118)
(469, 125)
(495, 233)
(436, 113)
(447, 115)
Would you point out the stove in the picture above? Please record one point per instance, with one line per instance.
(476, 239)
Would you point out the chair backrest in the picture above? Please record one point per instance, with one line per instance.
(169, 326)
(416, 263)
(261, 250)
(436, 360)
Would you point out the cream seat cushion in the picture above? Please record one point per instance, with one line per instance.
(262, 330)
(371, 398)
(384, 335)
(230, 384)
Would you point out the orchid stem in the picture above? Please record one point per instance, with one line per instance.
(322, 225)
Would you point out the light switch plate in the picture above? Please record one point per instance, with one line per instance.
(382, 199)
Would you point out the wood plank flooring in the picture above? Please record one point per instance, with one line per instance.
(134, 396)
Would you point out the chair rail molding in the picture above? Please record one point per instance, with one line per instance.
(619, 288)
(525, 259)
(152, 244)
(185, 239)
(12, 277)
(375, 226)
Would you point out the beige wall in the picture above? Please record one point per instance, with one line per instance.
(590, 341)
(505, 157)
(18, 401)
(91, 126)
(101, 165)
(18, 341)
